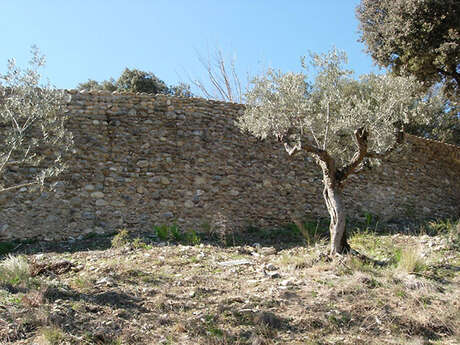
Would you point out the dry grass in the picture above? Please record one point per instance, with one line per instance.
(410, 260)
(14, 270)
(184, 294)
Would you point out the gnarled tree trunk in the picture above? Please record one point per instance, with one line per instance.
(333, 198)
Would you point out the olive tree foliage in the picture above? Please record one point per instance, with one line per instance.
(415, 37)
(32, 131)
(345, 124)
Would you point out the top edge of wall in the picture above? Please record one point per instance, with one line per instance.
(432, 141)
(144, 94)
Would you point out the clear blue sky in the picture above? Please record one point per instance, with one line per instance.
(97, 39)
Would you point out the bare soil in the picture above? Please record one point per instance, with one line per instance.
(150, 292)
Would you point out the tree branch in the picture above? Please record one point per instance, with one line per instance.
(361, 142)
(361, 136)
(18, 186)
(305, 145)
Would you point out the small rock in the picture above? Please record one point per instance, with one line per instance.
(286, 282)
(140, 189)
(267, 183)
(117, 203)
(164, 180)
(39, 256)
(101, 202)
(235, 262)
(274, 275)
(107, 281)
(200, 180)
(234, 192)
(189, 204)
(97, 195)
(271, 267)
(267, 251)
(99, 230)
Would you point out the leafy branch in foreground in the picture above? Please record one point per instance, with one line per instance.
(32, 132)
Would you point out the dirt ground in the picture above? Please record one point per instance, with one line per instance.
(147, 291)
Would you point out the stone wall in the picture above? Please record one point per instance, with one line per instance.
(141, 160)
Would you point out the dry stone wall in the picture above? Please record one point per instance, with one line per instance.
(141, 160)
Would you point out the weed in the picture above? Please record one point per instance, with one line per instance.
(14, 270)
(401, 293)
(53, 335)
(371, 220)
(139, 244)
(82, 282)
(409, 260)
(295, 261)
(121, 239)
(175, 233)
(357, 264)
(308, 230)
(192, 238)
(211, 327)
(162, 232)
(437, 227)
(371, 244)
(446, 227)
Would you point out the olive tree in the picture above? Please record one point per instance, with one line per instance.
(345, 124)
(32, 132)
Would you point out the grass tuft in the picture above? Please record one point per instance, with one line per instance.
(53, 335)
(14, 270)
(409, 260)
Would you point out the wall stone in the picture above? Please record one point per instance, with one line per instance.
(141, 160)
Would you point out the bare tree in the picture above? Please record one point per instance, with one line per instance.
(32, 132)
(222, 80)
(343, 123)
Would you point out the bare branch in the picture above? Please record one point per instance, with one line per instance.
(18, 186)
(224, 83)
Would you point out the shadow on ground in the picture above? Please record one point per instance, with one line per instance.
(284, 237)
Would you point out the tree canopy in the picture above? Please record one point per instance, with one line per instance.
(32, 132)
(415, 37)
(342, 122)
(134, 80)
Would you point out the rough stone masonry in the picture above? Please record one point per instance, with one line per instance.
(141, 160)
